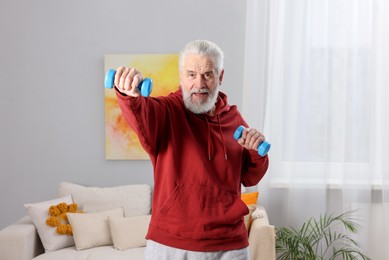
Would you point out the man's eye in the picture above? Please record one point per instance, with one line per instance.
(192, 75)
(208, 76)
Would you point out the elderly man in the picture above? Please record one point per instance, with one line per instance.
(197, 212)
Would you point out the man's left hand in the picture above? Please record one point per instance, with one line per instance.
(251, 139)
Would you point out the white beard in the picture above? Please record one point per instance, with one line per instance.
(197, 107)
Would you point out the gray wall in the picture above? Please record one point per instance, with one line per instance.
(51, 80)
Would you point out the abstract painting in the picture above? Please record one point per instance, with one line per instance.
(121, 143)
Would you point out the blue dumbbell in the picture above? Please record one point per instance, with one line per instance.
(263, 147)
(145, 87)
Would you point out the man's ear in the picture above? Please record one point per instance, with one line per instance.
(221, 77)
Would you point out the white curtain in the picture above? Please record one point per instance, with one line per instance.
(316, 83)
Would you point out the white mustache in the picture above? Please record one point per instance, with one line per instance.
(202, 90)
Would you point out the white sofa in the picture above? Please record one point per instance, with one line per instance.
(20, 241)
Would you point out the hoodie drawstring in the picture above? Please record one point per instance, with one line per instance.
(209, 138)
(222, 136)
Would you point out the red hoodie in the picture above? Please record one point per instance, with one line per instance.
(198, 170)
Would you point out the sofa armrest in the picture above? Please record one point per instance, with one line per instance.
(262, 238)
(20, 241)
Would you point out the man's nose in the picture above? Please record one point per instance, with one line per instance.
(200, 80)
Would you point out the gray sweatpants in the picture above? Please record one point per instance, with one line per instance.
(156, 251)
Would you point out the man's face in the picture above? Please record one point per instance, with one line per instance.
(200, 82)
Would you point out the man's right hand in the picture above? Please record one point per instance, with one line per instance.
(127, 81)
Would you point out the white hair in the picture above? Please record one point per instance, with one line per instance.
(203, 47)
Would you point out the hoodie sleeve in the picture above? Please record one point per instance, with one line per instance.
(146, 116)
(254, 167)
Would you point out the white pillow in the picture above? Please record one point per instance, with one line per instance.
(129, 232)
(134, 199)
(39, 212)
(92, 229)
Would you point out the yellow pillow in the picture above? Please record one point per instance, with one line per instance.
(250, 198)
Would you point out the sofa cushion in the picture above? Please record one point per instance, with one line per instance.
(96, 253)
(248, 219)
(129, 232)
(92, 229)
(134, 199)
(250, 198)
(39, 212)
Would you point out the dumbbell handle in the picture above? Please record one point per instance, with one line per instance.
(263, 147)
(145, 87)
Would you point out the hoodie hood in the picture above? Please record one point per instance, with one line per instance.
(221, 107)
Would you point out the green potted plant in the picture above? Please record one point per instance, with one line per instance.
(320, 239)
